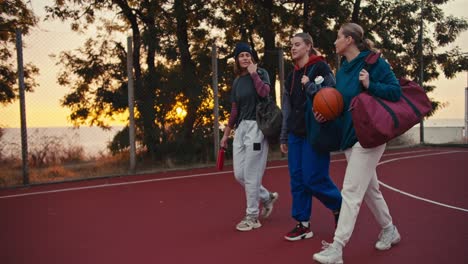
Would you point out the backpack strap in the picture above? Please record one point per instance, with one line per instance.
(309, 71)
(370, 60)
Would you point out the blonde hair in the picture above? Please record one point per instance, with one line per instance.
(307, 38)
(356, 32)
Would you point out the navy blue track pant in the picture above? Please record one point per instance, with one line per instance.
(309, 171)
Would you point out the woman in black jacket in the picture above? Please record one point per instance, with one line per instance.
(308, 168)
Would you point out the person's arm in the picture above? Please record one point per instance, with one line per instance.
(383, 82)
(262, 87)
(286, 110)
(232, 117)
(230, 126)
(261, 83)
(322, 69)
(224, 139)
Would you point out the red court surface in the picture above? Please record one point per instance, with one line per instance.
(190, 216)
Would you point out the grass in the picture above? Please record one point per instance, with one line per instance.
(67, 163)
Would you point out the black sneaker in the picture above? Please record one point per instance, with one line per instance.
(299, 232)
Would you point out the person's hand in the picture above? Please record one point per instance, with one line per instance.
(252, 68)
(319, 117)
(284, 148)
(364, 78)
(305, 79)
(223, 142)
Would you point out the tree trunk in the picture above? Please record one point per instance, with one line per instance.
(193, 87)
(266, 30)
(306, 27)
(356, 10)
(144, 100)
(152, 78)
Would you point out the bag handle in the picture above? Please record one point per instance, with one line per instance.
(370, 60)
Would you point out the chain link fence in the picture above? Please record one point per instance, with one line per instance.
(58, 152)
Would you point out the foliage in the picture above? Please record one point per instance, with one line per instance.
(172, 65)
(44, 150)
(14, 14)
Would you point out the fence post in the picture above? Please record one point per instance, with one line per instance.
(421, 65)
(466, 116)
(131, 103)
(24, 131)
(214, 66)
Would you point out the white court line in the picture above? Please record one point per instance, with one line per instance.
(163, 179)
(415, 196)
(115, 184)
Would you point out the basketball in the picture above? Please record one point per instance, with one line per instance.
(328, 102)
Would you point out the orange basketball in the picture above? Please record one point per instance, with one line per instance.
(328, 102)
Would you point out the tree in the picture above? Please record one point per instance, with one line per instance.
(14, 14)
(396, 35)
(140, 18)
(172, 43)
(394, 28)
(154, 27)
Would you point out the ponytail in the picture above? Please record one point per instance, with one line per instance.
(356, 32)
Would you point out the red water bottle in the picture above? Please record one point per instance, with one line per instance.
(220, 161)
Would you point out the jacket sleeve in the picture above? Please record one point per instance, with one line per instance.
(286, 109)
(234, 111)
(233, 116)
(329, 79)
(261, 83)
(383, 82)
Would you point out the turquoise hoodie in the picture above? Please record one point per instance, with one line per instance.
(382, 83)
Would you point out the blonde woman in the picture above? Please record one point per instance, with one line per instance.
(308, 168)
(360, 181)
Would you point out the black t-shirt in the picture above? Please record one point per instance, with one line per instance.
(245, 95)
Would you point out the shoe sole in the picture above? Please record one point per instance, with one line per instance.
(325, 262)
(396, 241)
(249, 229)
(304, 236)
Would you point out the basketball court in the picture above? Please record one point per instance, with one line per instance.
(190, 216)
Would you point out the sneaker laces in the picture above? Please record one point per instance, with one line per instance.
(386, 236)
(298, 227)
(328, 249)
(326, 245)
(268, 202)
(296, 230)
(249, 220)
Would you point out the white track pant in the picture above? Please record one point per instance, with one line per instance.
(250, 153)
(360, 182)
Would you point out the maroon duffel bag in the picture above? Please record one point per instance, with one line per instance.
(377, 121)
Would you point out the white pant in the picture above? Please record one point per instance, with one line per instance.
(250, 153)
(360, 183)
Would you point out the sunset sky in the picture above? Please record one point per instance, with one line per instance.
(43, 106)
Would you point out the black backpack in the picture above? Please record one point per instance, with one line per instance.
(269, 118)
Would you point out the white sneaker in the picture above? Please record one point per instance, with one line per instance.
(387, 238)
(268, 205)
(329, 255)
(248, 223)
